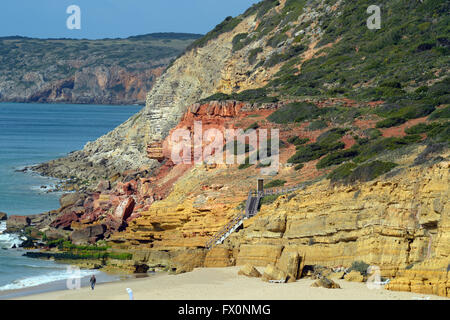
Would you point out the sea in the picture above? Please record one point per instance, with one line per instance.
(32, 134)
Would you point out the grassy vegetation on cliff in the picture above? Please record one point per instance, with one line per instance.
(29, 54)
(69, 251)
(399, 61)
(404, 64)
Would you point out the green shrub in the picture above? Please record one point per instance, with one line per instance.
(297, 141)
(405, 109)
(372, 133)
(275, 183)
(342, 172)
(238, 42)
(299, 166)
(390, 122)
(314, 151)
(120, 256)
(442, 113)
(360, 141)
(297, 111)
(359, 266)
(419, 128)
(225, 26)
(277, 39)
(440, 133)
(266, 200)
(350, 172)
(317, 125)
(254, 95)
(337, 157)
(253, 55)
(253, 126)
(381, 145)
(370, 171)
(391, 84)
(55, 243)
(331, 136)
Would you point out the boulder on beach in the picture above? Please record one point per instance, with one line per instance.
(3, 216)
(326, 283)
(249, 271)
(337, 275)
(88, 235)
(271, 272)
(65, 220)
(55, 234)
(17, 223)
(289, 262)
(354, 276)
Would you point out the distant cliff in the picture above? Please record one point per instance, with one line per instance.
(107, 71)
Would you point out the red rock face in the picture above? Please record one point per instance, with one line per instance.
(65, 221)
(91, 216)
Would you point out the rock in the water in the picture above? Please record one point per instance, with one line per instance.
(249, 271)
(273, 273)
(354, 276)
(326, 283)
(87, 235)
(17, 223)
(3, 216)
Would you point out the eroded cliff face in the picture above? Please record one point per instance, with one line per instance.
(89, 85)
(397, 222)
(102, 71)
(197, 74)
(191, 77)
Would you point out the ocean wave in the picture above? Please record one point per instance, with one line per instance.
(8, 240)
(46, 278)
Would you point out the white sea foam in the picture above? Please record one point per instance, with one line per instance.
(8, 240)
(53, 276)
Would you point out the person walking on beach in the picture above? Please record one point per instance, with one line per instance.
(93, 281)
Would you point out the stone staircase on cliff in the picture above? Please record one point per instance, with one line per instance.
(252, 206)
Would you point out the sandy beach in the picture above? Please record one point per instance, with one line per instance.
(224, 284)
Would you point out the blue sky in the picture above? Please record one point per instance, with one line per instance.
(114, 18)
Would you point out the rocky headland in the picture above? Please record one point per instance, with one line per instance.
(107, 71)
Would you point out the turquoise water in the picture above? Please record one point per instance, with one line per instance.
(35, 133)
(31, 134)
